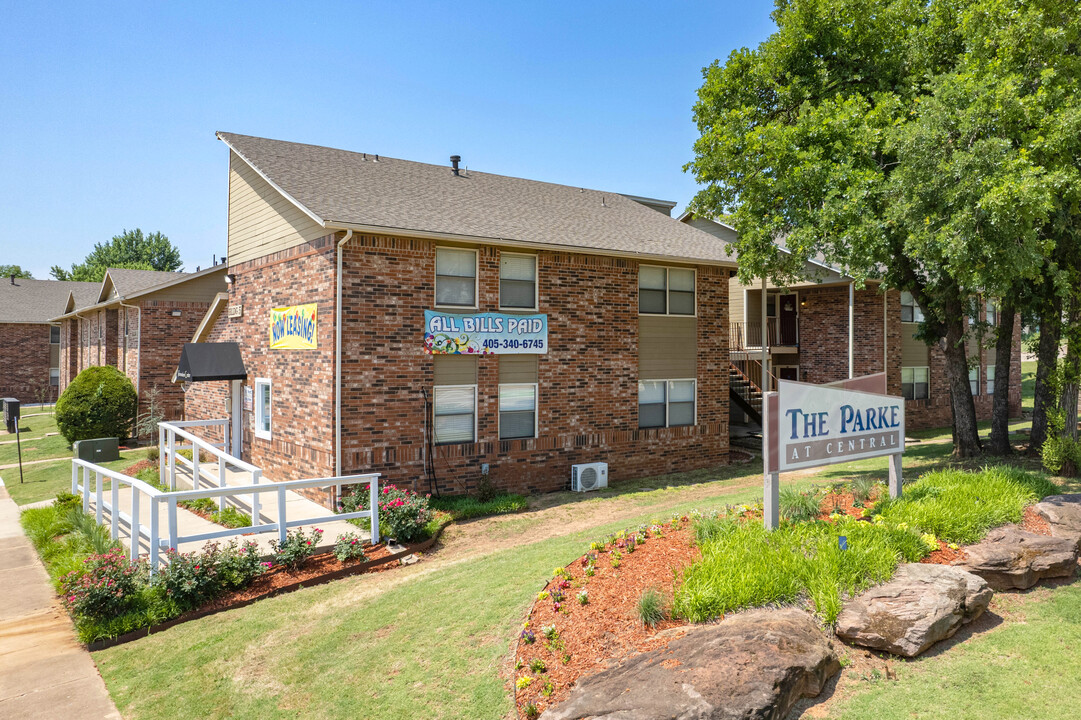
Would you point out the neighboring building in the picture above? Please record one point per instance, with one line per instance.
(29, 339)
(137, 321)
(809, 337)
(636, 304)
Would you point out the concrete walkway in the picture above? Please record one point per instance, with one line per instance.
(44, 672)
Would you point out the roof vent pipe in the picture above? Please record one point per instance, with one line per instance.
(454, 160)
(13, 274)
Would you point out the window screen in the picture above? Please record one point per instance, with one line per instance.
(680, 402)
(263, 406)
(517, 411)
(910, 310)
(651, 402)
(652, 288)
(681, 291)
(990, 379)
(455, 414)
(518, 281)
(974, 380)
(54, 334)
(914, 384)
(455, 277)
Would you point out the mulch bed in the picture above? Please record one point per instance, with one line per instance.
(1034, 523)
(844, 502)
(141, 465)
(607, 629)
(945, 555)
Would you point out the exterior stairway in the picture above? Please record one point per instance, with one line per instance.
(745, 393)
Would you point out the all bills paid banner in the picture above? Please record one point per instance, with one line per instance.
(821, 425)
(484, 334)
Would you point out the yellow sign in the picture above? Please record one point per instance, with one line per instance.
(294, 328)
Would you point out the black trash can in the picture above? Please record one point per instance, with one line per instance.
(11, 414)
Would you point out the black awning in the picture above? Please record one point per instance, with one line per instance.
(210, 361)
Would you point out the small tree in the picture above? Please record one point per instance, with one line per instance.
(99, 402)
(147, 422)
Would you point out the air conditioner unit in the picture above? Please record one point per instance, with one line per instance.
(589, 476)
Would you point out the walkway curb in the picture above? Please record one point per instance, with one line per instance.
(44, 671)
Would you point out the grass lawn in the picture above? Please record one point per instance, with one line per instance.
(44, 481)
(34, 443)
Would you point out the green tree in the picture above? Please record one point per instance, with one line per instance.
(131, 249)
(7, 271)
(896, 138)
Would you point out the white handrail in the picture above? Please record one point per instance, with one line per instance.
(169, 431)
(173, 539)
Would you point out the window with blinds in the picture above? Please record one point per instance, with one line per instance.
(518, 281)
(990, 370)
(974, 380)
(517, 411)
(455, 277)
(262, 408)
(665, 291)
(455, 414)
(914, 385)
(666, 403)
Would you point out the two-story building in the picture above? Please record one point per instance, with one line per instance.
(823, 329)
(431, 323)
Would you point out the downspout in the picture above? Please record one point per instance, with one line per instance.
(851, 329)
(338, 359)
(885, 334)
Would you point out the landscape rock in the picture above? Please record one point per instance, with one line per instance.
(1063, 514)
(755, 664)
(921, 605)
(1012, 558)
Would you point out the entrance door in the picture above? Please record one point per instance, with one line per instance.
(788, 315)
(788, 373)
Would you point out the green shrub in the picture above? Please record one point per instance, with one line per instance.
(239, 565)
(464, 507)
(100, 402)
(230, 517)
(153, 453)
(798, 506)
(862, 488)
(349, 546)
(66, 501)
(105, 588)
(403, 513)
(190, 579)
(650, 607)
(297, 548)
(960, 507)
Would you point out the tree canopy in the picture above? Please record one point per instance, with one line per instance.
(7, 271)
(131, 249)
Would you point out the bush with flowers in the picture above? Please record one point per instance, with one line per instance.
(190, 579)
(105, 587)
(297, 548)
(349, 546)
(403, 514)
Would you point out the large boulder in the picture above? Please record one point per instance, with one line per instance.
(753, 665)
(1063, 515)
(1012, 558)
(921, 605)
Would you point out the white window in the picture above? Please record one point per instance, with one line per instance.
(518, 281)
(54, 377)
(992, 312)
(990, 370)
(974, 380)
(517, 411)
(665, 291)
(54, 334)
(666, 403)
(910, 309)
(455, 411)
(263, 405)
(914, 385)
(455, 277)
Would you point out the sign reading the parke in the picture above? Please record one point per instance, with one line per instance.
(484, 334)
(294, 328)
(822, 425)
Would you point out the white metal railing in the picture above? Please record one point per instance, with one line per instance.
(168, 432)
(171, 538)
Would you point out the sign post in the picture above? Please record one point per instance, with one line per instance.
(808, 426)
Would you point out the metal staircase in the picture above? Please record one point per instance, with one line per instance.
(744, 386)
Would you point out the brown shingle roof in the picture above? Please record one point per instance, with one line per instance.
(127, 281)
(342, 188)
(36, 301)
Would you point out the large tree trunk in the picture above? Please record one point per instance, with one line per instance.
(1000, 403)
(1047, 358)
(1071, 377)
(966, 436)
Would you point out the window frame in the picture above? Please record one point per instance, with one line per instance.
(668, 291)
(58, 334)
(54, 377)
(990, 313)
(668, 401)
(476, 278)
(257, 409)
(916, 309)
(536, 282)
(913, 383)
(989, 379)
(974, 383)
(536, 410)
(435, 395)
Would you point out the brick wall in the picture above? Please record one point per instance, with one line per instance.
(24, 360)
(161, 338)
(587, 407)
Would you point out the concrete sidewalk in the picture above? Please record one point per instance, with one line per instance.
(44, 672)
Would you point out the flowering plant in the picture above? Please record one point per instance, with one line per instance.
(297, 547)
(190, 578)
(403, 513)
(105, 587)
(239, 565)
(348, 546)
(528, 636)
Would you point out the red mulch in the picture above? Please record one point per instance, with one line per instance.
(843, 502)
(1034, 523)
(945, 555)
(141, 465)
(607, 629)
(314, 567)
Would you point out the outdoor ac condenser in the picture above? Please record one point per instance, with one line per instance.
(589, 476)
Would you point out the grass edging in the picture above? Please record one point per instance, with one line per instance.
(311, 582)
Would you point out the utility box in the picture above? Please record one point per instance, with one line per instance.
(98, 450)
(11, 414)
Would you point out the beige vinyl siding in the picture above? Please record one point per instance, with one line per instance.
(913, 351)
(262, 220)
(735, 300)
(992, 355)
(754, 308)
(667, 347)
(517, 369)
(203, 289)
(455, 370)
(54, 356)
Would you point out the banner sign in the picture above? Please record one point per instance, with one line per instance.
(294, 328)
(484, 334)
(822, 425)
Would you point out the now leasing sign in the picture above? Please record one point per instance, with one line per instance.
(821, 425)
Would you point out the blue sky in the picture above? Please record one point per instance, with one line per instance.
(108, 110)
